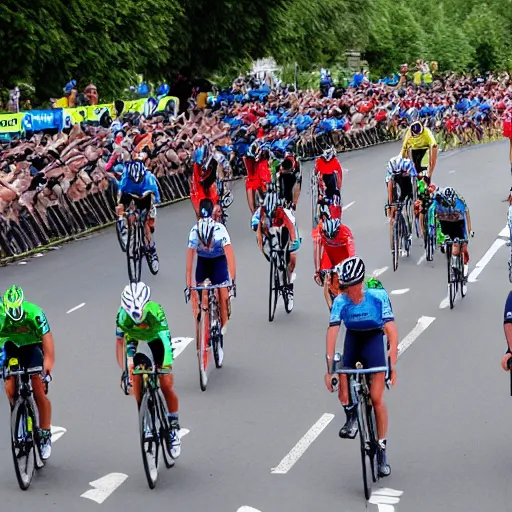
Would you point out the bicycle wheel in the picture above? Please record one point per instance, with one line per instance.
(285, 290)
(149, 442)
(395, 243)
(216, 336)
(133, 253)
(452, 278)
(164, 433)
(202, 349)
(463, 278)
(406, 243)
(23, 443)
(273, 292)
(364, 439)
(314, 199)
(119, 239)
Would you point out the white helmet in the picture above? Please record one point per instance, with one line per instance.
(134, 298)
(394, 163)
(271, 201)
(350, 271)
(330, 227)
(205, 229)
(328, 154)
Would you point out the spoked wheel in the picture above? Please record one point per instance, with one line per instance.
(149, 442)
(273, 292)
(365, 446)
(217, 344)
(286, 290)
(314, 199)
(395, 243)
(133, 253)
(202, 349)
(452, 277)
(406, 243)
(463, 278)
(23, 444)
(165, 436)
(119, 238)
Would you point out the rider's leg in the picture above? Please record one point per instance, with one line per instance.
(223, 306)
(251, 200)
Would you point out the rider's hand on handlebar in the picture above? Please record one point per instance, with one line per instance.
(187, 294)
(331, 381)
(504, 361)
(472, 234)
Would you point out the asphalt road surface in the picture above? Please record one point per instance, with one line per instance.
(450, 412)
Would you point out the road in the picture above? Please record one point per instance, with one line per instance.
(450, 411)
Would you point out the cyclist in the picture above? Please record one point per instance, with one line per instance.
(272, 214)
(329, 170)
(289, 180)
(368, 316)
(401, 183)
(333, 242)
(210, 241)
(258, 173)
(25, 335)
(507, 326)
(138, 184)
(141, 319)
(418, 140)
(452, 212)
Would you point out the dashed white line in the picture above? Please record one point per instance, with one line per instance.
(377, 272)
(505, 232)
(299, 449)
(423, 323)
(75, 308)
(347, 206)
(400, 291)
(486, 258)
(57, 432)
(421, 260)
(179, 345)
(104, 487)
(245, 508)
(385, 499)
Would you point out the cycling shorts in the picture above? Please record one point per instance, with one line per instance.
(287, 182)
(158, 351)
(366, 347)
(142, 204)
(454, 230)
(214, 269)
(405, 184)
(29, 356)
(416, 157)
(331, 185)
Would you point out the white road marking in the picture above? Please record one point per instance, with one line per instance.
(22, 263)
(179, 345)
(423, 323)
(451, 172)
(400, 292)
(505, 232)
(104, 487)
(385, 499)
(184, 432)
(377, 272)
(486, 258)
(347, 206)
(75, 308)
(38, 255)
(245, 508)
(446, 301)
(421, 260)
(299, 449)
(57, 432)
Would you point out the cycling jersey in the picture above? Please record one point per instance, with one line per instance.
(423, 141)
(219, 241)
(149, 183)
(335, 250)
(27, 331)
(447, 214)
(403, 167)
(277, 221)
(327, 167)
(371, 314)
(154, 327)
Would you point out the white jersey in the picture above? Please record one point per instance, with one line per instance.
(220, 240)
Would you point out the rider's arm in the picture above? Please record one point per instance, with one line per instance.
(120, 347)
(507, 326)
(48, 347)
(333, 331)
(291, 228)
(230, 257)
(432, 160)
(191, 252)
(318, 249)
(390, 192)
(468, 220)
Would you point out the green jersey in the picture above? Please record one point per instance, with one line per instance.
(27, 331)
(154, 327)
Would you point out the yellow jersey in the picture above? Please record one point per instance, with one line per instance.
(424, 141)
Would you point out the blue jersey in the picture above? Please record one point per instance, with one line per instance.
(371, 314)
(128, 186)
(220, 240)
(445, 214)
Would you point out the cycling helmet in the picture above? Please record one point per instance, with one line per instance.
(13, 303)
(394, 163)
(324, 210)
(350, 271)
(134, 298)
(328, 154)
(331, 227)
(205, 228)
(271, 202)
(450, 195)
(136, 171)
(416, 128)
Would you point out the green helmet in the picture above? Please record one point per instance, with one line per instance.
(374, 283)
(13, 303)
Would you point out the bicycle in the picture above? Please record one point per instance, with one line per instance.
(25, 436)
(456, 278)
(136, 240)
(509, 243)
(400, 234)
(226, 198)
(154, 427)
(314, 198)
(209, 331)
(359, 387)
(279, 281)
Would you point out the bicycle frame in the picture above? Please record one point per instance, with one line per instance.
(455, 279)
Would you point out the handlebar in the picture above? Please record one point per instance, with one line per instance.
(359, 371)
(227, 284)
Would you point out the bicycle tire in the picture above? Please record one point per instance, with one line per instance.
(364, 440)
(133, 256)
(463, 280)
(119, 239)
(395, 244)
(202, 350)
(314, 200)
(285, 289)
(273, 291)
(165, 440)
(452, 290)
(26, 447)
(405, 236)
(147, 411)
(216, 340)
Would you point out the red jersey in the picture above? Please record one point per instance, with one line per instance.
(330, 167)
(197, 192)
(334, 250)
